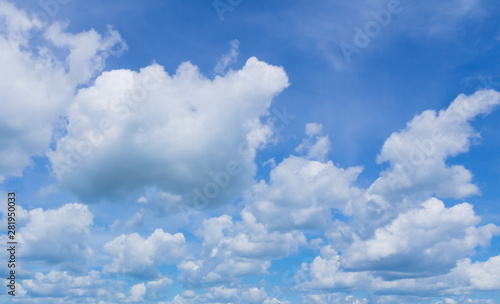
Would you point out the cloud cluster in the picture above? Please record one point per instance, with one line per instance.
(220, 294)
(59, 236)
(138, 257)
(232, 250)
(40, 82)
(418, 154)
(421, 242)
(134, 131)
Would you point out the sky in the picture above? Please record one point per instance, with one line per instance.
(237, 151)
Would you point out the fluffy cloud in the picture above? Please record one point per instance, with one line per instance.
(419, 254)
(418, 154)
(222, 294)
(39, 85)
(315, 147)
(325, 272)
(466, 277)
(61, 284)
(138, 257)
(301, 192)
(421, 242)
(478, 275)
(332, 299)
(234, 250)
(184, 134)
(59, 236)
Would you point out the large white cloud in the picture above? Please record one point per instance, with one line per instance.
(178, 134)
(421, 242)
(36, 85)
(418, 154)
(56, 237)
(421, 253)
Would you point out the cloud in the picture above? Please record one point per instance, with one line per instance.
(40, 82)
(315, 147)
(421, 242)
(157, 289)
(60, 284)
(325, 272)
(138, 257)
(335, 298)
(478, 275)
(418, 154)
(301, 193)
(419, 254)
(59, 236)
(228, 58)
(222, 294)
(134, 131)
(233, 250)
(137, 293)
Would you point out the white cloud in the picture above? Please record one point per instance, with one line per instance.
(227, 59)
(138, 257)
(61, 284)
(133, 131)
(313, 129)
(418, 154)
(315, 147)
(334, 298)
(301, 192)
(223, 294)
(59, 236)
(421, 242)
(478, 275)
(137, 293)
(157, 289)
(234, 250)
(325, 272)
(39, 85)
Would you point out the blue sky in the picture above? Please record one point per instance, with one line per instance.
(251, 151)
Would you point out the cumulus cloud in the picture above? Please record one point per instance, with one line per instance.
(222, 294)
(60, 236)
(421, 242)
(301, 192)
(421, 253)
(136, 256)
(418, 154)
(326, 272)
(184, 134)
(478, 275)
(234, 250)
(39, 84)
(334, 298)
(60, 284)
